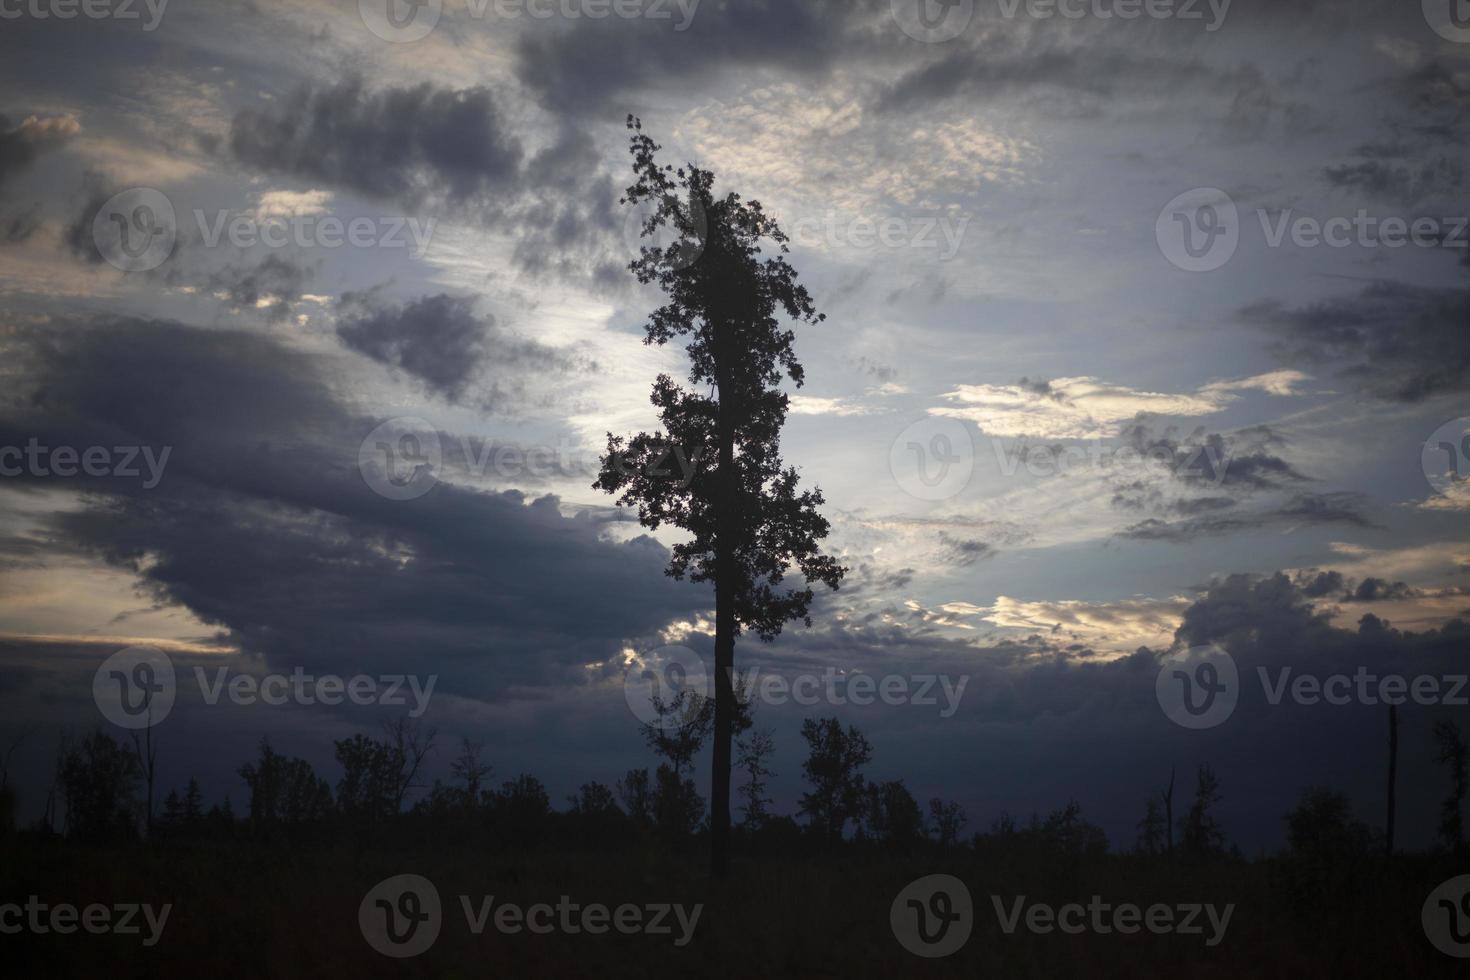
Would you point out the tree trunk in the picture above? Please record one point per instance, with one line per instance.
(719, 797)
(725, 540)
(1169, 813)
(1393, 771)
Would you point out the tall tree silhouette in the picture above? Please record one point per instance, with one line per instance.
(1454, 756)
(748, 523)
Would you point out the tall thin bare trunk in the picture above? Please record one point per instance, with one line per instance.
(719, 797)
(1393, 771)
(1169, 813)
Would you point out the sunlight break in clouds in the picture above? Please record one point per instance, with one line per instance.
(1086, 408)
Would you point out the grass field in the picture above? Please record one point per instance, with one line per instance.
(251, 911)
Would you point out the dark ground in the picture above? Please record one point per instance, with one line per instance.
(250, 910)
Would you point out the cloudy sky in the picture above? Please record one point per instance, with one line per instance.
(1137, 328)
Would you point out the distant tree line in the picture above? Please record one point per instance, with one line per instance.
(98, 798)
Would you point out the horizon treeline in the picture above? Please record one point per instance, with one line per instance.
(103, 793)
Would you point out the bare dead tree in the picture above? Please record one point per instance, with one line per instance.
(1393, 771)
(63, 747)
(147, 754)
(1169, 814)
(469, 769)
(410, 743)
(10, 751)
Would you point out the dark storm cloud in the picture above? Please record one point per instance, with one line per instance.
(1325, 508)
(1195, 506)
(569, 215)
(594, 66)
(1437, 89)
(883, 373)
(1042, 389)
(864, 578)
(1106, 74)
(1401, 183)
(964, 552)
(263, 526)
(1337, 508)
(1183, 532)
(1242, 462)
(269, 287)
(1002, 65)
(1380, 590)
(1095, 728)
(449, 151)
(440, 340)
(96, 190)
(17, 226)
(1397, 341)
(402, 144)
(1030, 705)
(21, 143)
(1319, 584)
